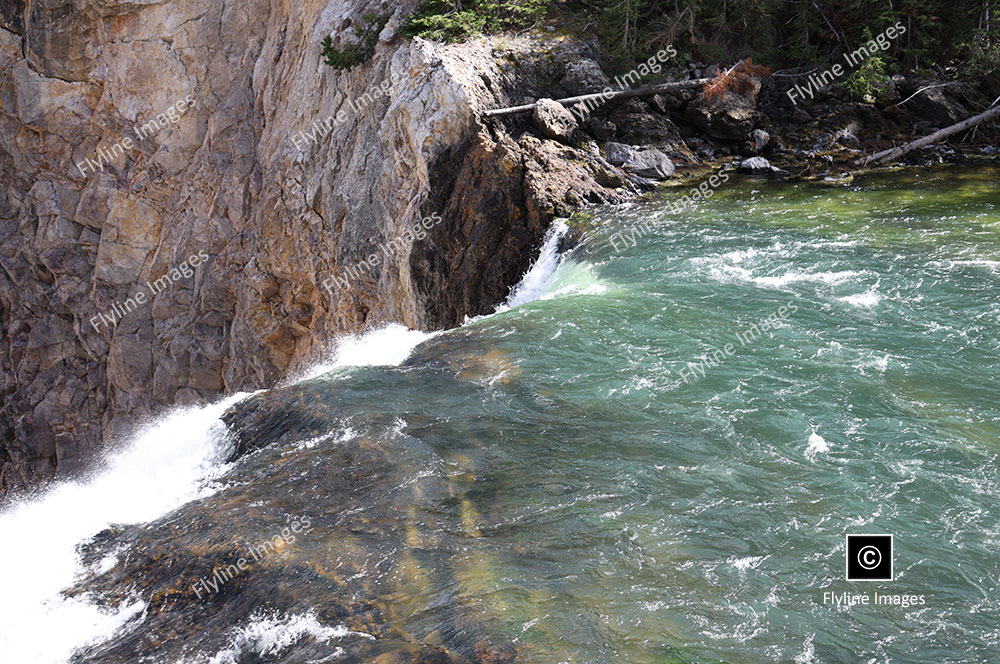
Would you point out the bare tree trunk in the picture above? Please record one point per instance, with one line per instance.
(621, 94)
(986, 16)
(897, 152)
(628, 18)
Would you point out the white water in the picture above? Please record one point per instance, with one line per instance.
(536, 280)
(387, 346)
(173, 461)
(269, 635)
(168, 464)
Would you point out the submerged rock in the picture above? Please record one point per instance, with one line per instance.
(276, 416)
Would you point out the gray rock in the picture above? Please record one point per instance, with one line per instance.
(584, 76)
(937, 105)
(618, 153)
(553, 120)
(759, 166)
(645, 162)
(650, 163)
(659, 103)
(760, 139)
(755, 165)
(603, 130)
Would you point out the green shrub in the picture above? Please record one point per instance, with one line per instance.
(354, 54)
(868, 82)
(453, 20)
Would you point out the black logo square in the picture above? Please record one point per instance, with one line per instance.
(869, 557)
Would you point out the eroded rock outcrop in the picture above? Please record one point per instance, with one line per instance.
(137, 137)
(730, 116)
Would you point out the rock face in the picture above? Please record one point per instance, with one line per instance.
(553, 120)
(137, 137)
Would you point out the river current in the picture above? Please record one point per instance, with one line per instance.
(652, 453)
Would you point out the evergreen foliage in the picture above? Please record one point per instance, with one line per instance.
(868, 81)
(353, 54)
(784, 33)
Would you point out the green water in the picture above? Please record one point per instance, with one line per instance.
(628, 515)
(633, 467)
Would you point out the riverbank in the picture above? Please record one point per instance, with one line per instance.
(278, 217)
(815, 136)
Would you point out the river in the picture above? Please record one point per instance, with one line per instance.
(652, 453)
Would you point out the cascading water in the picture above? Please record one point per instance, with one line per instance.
(174, 460)
(651, 453)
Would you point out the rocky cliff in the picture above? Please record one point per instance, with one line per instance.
(179, 219)
(193, 203)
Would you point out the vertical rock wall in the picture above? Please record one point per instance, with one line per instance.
(226, 225)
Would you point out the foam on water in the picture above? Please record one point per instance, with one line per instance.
(386, 346)
(817, 445)
(269, 636)
(168, 464)
(868, 299)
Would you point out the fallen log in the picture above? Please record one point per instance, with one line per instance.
(606, 96)
(897, 152)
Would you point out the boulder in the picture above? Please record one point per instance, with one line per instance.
(730, 118)
(584, 76)
(650, 163)
(759, 166)
(645, 127)
(603, 129)
(760, 139)
(553, 120)
(938, 106)
(617, 153)
(645, 162)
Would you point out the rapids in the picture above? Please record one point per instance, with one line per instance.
(588, 474)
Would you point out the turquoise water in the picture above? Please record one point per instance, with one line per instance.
(629, 515)
(629, 466)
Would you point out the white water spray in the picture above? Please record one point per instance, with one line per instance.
(537, 279)
(171, 462)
